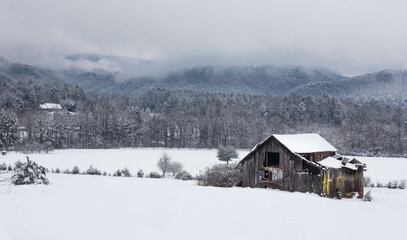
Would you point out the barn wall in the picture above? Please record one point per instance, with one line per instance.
(343, 180)
(318, 156)
(253, 166)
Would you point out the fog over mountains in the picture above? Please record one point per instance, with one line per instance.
(126, 75)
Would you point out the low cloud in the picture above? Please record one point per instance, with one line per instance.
(350, 37)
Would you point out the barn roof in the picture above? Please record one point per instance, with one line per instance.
(305, 143)
(298, 143)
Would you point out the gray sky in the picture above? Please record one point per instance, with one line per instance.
(351, 37)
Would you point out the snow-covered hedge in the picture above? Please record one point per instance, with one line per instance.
(29, 173)
(220, 175)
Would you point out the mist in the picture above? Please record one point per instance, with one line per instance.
(350, 37)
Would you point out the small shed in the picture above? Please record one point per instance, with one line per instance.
(304, 163)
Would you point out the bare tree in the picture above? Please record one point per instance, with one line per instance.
(164, 163)
(176, 167)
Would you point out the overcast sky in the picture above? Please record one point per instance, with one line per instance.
(350, 37)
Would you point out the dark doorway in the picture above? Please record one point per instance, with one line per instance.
(272, 159)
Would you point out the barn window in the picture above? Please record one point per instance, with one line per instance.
(272, 159)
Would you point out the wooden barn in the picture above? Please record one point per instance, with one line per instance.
(304, 163)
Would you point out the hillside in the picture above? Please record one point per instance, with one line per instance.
(267, 79)
(383, 84)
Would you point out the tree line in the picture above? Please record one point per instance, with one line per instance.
(193, 119)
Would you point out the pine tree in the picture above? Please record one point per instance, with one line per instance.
(8, 129)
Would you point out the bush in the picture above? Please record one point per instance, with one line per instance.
(368, 196)
(29, 173)
(9, 168)
(393, 184)
(379, 184)
(104, 173)
(402, 184)
(93, 171)
(57, 170)
(184, 175)
(75, 170)
(140, 173)
(3, 167)
(118, 173)
(154, 175)
(220, 175)
(126, 172)
(66, 171)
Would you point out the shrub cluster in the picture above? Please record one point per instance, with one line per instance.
(401, 184)
(154, 175)
(220, 175)
(93, 171)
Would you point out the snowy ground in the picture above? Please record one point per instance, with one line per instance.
(97, 207)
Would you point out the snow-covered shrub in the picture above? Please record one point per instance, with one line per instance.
(366, 181)
(126, 172)
(118, 173)
(140, 173)
(393, 184)
(220, 175)
(75, 170)
(9, 168)
(368, 196)
(154, 175)
(93, 171)
(67, 171)
(57, 170)
(379, 184)
(184, 175)
(3, 167)
(29, 173)
(104, 173)
(402, 184)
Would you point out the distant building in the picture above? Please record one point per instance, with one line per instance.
(304, 163)
(51, 107)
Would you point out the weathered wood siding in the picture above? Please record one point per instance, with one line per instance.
(343, 180)
(318, 156)
(253, 166)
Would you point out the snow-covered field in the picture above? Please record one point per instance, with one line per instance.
(98, 207)
(110, 160)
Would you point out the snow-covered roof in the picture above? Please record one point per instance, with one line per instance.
(53, 106)
(305, 143)
(337, 162)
